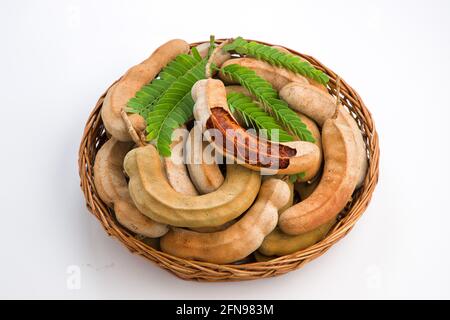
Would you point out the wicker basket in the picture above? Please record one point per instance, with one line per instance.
(94, 136)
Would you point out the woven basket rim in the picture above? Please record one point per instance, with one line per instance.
(94, 136)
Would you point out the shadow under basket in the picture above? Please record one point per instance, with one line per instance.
(94, 136)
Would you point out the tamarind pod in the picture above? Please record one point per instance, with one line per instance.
(321, 106)
(290, 202)
(278, 243)
(223, 121)
(216, 58)
(220, 56)
(239, 240)
(314, 129)
(154, 197)
(131, 218)
(310, 124)
(309, 100)
(112, 188)
(204, 173)
(276, 76)
(335, 187)
(109, 179)
(179, 178)
(362, 162)
(212, 112)
(118, 95)
(203, 170)
(207, 176)
(211, 109)
(175, 168)
(203, 49)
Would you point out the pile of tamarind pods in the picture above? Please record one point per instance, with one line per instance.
(223, 214)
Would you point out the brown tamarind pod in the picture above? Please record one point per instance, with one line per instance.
(254, 152)
(132, 81)
(336, 186)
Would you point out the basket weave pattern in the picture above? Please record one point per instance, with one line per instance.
(94, 136)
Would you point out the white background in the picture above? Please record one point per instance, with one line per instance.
(57, 57)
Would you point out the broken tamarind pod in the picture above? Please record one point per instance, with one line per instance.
(223, 131)
(237, 241)
(254, 152)
(111, 185)
(118, 95)
(154, 197)
(335, 187)
(321, 106)
(276, 76)
(310, 125)
(176, 171)
(203, 169)
(277, 243)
